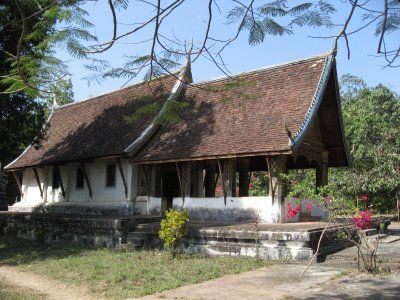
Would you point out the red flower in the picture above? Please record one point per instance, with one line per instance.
(363, 220)
(364, 198)
(309, 206)
(292, 211)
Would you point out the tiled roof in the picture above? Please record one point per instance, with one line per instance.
(237, 116)
(244, 115)
(96, 127)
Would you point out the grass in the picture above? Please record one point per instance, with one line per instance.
(11, 292)
(119, 274)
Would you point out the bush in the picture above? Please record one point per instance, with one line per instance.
(173, 229)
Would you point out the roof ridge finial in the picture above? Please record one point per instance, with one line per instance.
(55, 104)
(187, 68)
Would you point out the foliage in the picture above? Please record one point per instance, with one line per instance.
(173, 229)
(372, 128)
(109, 273)
(269, 17)
(22, 114)
(259, 184)
(40, 70)
(39, 27)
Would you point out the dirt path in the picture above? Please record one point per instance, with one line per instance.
(51, 288)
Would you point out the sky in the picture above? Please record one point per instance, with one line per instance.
(189, 23)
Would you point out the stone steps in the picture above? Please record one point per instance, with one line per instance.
(152, 227)
(218, 248)
(390, 239)
(134, 240)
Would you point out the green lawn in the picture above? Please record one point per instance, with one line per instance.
(11, 292)
(119, 274)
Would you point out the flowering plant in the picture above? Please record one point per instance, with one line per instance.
(292, 211)
(363, 220)
(309, 206)
(364, 198)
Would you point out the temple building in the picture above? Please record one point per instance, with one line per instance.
(122, 153)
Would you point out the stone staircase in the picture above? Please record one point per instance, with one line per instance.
(140, 235)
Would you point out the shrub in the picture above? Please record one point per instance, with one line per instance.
(173, 229)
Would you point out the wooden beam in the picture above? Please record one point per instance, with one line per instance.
(180, 183)
(121, 171)
(85, 175)
(222, 180)
(204, 158)
(60, 179)
(18, 183)
(38, 181)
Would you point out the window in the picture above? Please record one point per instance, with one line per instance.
(79, 178)
(110, 175)
(56, 180)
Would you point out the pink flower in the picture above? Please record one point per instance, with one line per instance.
(363, 220)
(309, 206)
(292, 211)
(364, 198)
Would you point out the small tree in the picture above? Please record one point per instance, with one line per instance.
(173, 229)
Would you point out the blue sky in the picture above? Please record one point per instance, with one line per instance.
(189, 23)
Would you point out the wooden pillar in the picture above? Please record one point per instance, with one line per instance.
(321, 171)
(229, 176)
(196, 180)
(244, 177)
(38, 181)
(187, 178)
(180, 179)
(277, 191)
(209, 180)
(155, 181)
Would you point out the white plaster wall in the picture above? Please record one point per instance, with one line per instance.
(261, 205)
(102, 195)
(154, 206)
(97, 176)
(30, 188)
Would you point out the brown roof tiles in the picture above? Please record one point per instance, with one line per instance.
(239, 116)
(96, 127)
(243, 115)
